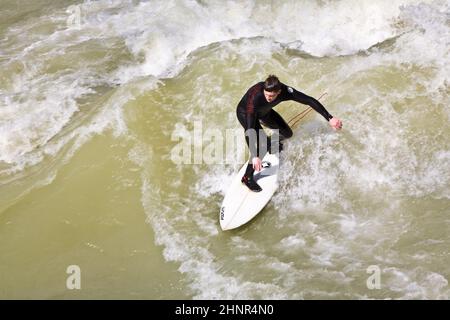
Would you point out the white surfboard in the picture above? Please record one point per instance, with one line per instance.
(240, 204)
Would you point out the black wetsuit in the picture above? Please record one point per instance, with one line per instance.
(254, 108)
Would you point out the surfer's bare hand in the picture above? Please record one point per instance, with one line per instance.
(335, 123)
(256, 163)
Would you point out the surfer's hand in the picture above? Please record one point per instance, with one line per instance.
(335, 123)
(256, 163)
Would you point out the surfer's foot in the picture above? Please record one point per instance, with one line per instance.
(251, 183)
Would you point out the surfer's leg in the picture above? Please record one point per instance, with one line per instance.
(243, 122)
(273, 120)
(260, 137)
(247, 179)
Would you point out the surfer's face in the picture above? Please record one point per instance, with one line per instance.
(270, 96)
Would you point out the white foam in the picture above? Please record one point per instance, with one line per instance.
(161, 34)
(26, 125)
(293, 242)
(417, 283)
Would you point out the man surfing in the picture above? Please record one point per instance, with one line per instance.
(255, 108)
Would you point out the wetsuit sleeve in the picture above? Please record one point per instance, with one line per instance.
(300, 97)
(251, 121)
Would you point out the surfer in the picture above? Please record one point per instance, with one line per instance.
(255, 108)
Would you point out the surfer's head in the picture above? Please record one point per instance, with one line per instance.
(272, 88)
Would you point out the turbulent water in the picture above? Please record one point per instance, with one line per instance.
(93, 95)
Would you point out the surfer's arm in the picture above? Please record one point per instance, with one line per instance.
(307, 100)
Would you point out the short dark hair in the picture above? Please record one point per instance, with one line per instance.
(272, 83)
